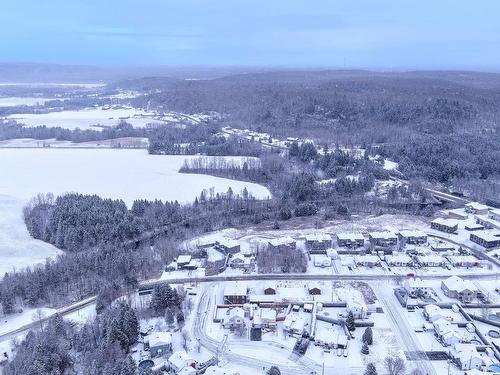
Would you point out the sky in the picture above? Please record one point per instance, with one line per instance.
(377, 34)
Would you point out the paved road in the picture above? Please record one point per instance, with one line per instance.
(400, 324)
(149, 285)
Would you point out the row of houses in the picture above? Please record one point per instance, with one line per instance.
(453, 287)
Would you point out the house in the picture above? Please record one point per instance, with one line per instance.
(412, 237)
(417, 287)
(234, 319)
(183, 261)
(295, 323)
(487, 222)
(494, 214)
(351, 240)
(434, 313)
(237, 261)
(441, 325)
(179, 360)
(463, 261)
(322, 261)
(318, 243)
(473, 227)
(235, 293)
(314, 289)
(458, 213)
(486, 238)
(357, 307)
(269, 288)
(441, 247)
(268, 317)
(476, 208)
(282, 244)
(445, 225)
(383, 239)
(293, 294)
(160, 343)
(367, 260)
(398, 260)
(455, 287)
(453, 336)
(330, 338)
(466, 356)
(430, 260)
(227, 246)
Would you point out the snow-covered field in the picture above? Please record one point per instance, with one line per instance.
(17, 248)
(99, 117)
(93, 118)
(15, 101)
(111, 173)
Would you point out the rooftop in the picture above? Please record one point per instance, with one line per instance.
(350, 236)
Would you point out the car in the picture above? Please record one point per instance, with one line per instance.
(339, 352)
(346, 352)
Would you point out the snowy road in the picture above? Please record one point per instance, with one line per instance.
(404, 332)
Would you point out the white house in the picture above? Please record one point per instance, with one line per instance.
(400, 260)
(330, 338)
(357, 307)
(466, 356)
(434, 312)
(417, 287)
(367, 260)
(322, 261)
(235, 318)
(160, 343)
(455, 287)
(295, 323)
(430, 260)
(237, 260)
(179, 360)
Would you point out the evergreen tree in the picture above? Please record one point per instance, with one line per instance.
(370, 369)
(368, 336)
(350, 322)
(364, 349)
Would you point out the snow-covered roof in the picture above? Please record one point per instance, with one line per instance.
(466, 353)
(458, 284)
(188, 370)
(237, 257)
(399, 258)
(318, 237)
(160, 339)
(350, 236)
(444, 221)
(456, 259)
(331, 336)
(384, 235)
(495, 211)
(281, 241)
(476, 206)
(432, 310)
(487, 235)
(430, 259)
(268, 315)
(417, 283)
(228, 242)
(235, 289)
(487, 221)
(412, 233)
(292, 293)
(183, 259)
(236, 312)
(179, 359)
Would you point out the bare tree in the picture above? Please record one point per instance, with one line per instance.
(395, 365)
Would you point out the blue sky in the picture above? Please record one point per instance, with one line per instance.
(379, 34)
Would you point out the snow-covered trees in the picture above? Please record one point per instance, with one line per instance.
(368, 336)
(370, 369)
(349, 322)
(364, 349)
(394, 365)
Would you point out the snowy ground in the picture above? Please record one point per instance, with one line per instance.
(17, 248)
(27, 172)
(124, 142)
(99, 117)
(25, 100)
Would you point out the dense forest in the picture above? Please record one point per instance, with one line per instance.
(435, 124)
